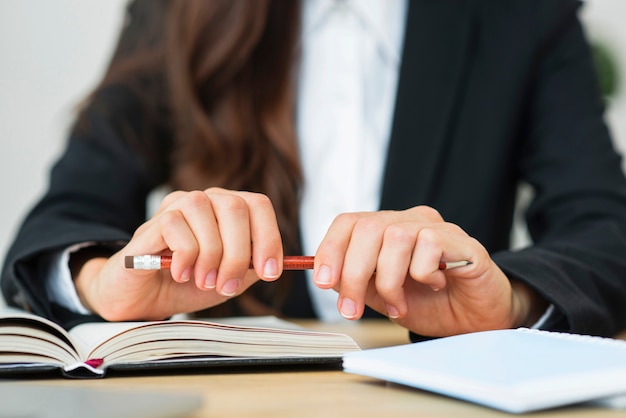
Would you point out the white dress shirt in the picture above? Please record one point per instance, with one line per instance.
(347, 89)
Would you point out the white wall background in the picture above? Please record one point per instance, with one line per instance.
(53, 52)
(605, 21)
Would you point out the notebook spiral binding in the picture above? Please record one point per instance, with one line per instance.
(578, 337)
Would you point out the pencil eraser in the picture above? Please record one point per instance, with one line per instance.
(129, 261)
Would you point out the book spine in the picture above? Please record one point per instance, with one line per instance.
(86, 370)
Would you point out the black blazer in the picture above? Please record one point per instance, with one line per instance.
(492, 94)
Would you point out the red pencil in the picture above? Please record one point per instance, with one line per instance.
(293, 262)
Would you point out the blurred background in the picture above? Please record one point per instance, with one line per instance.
(53, 53)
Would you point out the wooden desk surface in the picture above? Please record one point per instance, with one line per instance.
(318, 393)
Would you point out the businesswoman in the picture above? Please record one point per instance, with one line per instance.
(383, 137)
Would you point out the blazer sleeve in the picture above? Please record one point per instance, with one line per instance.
(97, 193)
(577, 218)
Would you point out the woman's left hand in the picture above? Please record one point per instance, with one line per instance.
(390, 261)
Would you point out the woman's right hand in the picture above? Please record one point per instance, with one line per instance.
(212, 235)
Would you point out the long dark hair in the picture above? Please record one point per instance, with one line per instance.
(223, 72)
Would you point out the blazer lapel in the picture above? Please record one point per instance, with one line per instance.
(434, 61)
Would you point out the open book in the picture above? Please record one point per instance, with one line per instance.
(29, 344)
(513, 370)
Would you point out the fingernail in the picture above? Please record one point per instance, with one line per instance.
(270, 269)
(230, 287)
(210, 279)
(323, 275)
(435, 288)
(348, 309)
(392, 312)
(186, 275)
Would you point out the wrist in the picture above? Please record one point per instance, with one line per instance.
(527, 305)
(85, 280)
(85, 266)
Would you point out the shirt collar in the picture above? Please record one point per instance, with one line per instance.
(383, 19)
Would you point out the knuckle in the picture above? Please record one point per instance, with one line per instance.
(214, 190)
(213, 253)
(430, 237)
(169, 218)
(455, 229)
(346, 218)
(258, 199)
(330, 246)
(353, 275)
(398, 233)
(233, 203)
(422, 273)
(172, 197)
(428, 213)
(370, 225)
(197, 198)
(385, 286)
(417, 273)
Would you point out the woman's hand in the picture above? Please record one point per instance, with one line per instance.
(390, 261)
(212, 235)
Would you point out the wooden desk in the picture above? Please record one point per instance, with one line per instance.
(318, 393)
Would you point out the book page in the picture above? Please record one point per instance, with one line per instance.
(266, 321)
(90, 335)
(143, 341)
(25, 337)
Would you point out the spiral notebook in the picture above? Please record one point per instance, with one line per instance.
(516, 371)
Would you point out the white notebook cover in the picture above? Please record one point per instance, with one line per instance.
(513, 370)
